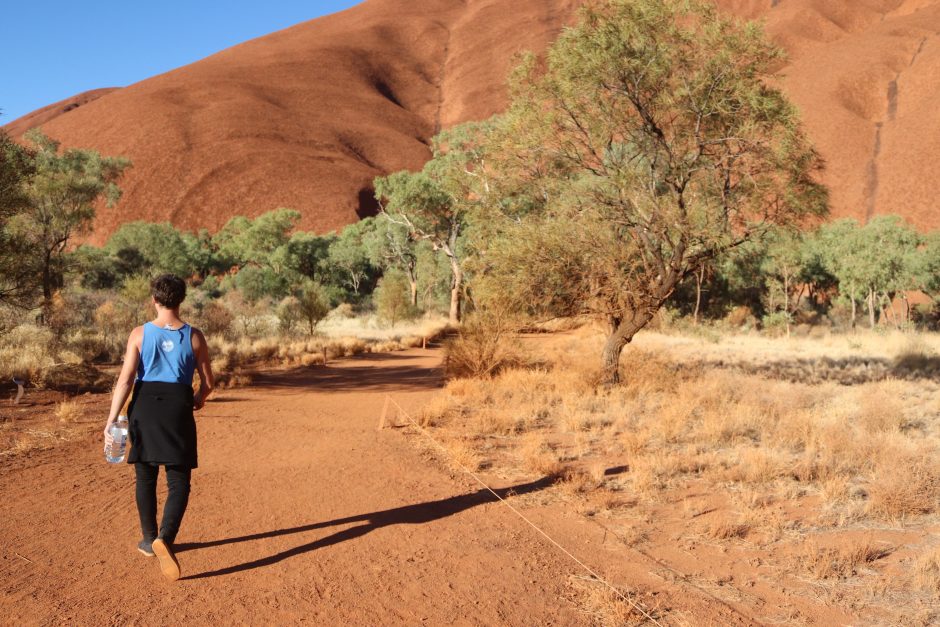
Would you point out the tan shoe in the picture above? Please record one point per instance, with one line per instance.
(168, 564)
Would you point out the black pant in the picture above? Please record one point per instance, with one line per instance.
(177, 480)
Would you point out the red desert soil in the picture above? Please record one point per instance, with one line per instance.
(303, 511)
(308, 116)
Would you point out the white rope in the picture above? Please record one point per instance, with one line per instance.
(476, 477)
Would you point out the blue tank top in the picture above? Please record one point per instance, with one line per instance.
(167, 355)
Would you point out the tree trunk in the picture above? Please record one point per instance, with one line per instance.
(412, 272)
(456, 286)
(622, 332)
(47, 290)
(894, 312)
(854, 312)
(699, 279)
(786, 300)
(871, 308)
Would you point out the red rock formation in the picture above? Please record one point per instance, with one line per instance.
(308, 116)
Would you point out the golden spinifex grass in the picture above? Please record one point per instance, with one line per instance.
(817, 482)
(871, 448)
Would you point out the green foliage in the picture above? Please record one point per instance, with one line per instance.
(288, 313)
(313, 304)
(652, 141)
(161, 247)
(348, 254)
(872, 262)
(17, 265)
(434, 205)
(393, 298)
(257, 282)
(244, 241)
(925, 266)
(61, 195)
(99, 270)
(305, 254)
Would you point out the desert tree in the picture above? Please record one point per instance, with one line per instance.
(17, 270)
(789, 267)
(313, 304)
(651, 140)
(393, 301)
(435, 203)
(349, 257)
(890, 266)
(843, 254)
(160, 245)
(871, 263)
(926, 266)
(306, 254)
(390, 246)
(246, 241)
(61, 196)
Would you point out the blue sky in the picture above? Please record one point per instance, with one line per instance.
(53, 50)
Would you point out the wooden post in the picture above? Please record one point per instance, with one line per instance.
(424, 342)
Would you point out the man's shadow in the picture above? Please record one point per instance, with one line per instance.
(406, 515)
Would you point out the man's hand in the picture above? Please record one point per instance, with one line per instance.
(198, 401)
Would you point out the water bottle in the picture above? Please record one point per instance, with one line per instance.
(115, 453)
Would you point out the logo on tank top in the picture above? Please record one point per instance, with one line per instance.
(167, 345)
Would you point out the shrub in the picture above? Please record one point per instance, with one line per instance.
(25, 352)
(288, 313)
(483, 348)
(777, 323)
(215, 319)
(313, 304)
(393, 298)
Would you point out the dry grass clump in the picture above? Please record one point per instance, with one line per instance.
(68, 412)
(725, 529)
(539, 457)
(482, 350)
(25, 352)
(841, 561)
(926, 571)
(905, 483)
(609, 608)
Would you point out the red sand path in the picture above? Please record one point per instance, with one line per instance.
(302, 511)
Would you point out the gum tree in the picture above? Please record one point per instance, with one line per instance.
(651, 140)
(434, 204)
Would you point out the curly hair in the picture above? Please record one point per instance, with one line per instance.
(169, 290)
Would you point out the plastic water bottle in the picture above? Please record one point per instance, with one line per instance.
(115, 453)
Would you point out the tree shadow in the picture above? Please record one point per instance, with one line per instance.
(349, 377)
(407, 515)
(843, 370)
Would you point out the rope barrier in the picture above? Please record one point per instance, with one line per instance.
(423, 431)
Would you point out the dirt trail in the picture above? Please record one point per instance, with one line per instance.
(301, 511)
